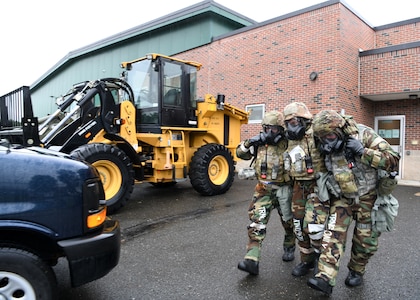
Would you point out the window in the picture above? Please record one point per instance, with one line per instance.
(257, 113)
(172, 84)
(144, 82)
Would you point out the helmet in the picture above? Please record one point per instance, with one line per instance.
(272, 127)
(297, 120)
(272, 118)
(296, 109)
(327, 121)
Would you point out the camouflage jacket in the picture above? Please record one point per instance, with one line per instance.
(362, 178)
(299, 151)
(378, 152)
(269, 163)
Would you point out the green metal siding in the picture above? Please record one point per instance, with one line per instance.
(171, 39)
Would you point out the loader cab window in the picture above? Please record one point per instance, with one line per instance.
(165, 93)
(192, 105)
(172, 84)
(179, 93)
(175, 77)
(192, 74)
(144, 82)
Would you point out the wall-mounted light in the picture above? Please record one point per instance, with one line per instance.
(412, 96)
(313, 76)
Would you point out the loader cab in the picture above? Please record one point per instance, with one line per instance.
(164, 92)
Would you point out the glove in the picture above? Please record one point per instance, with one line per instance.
(355, 146)
(255, 140)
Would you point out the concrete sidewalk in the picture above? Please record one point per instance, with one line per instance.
(409, 182)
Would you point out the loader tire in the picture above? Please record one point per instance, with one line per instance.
(115, 170)
(212, 170)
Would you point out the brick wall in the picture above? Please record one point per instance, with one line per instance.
(271, 64)
(390, 72)
(354, 35)
(397, 35)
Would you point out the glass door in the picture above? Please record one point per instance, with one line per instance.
(391, 128)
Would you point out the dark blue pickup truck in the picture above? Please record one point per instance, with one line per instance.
(51, 206)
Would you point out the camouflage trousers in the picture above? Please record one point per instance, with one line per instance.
(302, 191)
(316, 217)
(364, 240)
(263, 202)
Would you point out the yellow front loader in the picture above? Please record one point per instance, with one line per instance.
(148, 126)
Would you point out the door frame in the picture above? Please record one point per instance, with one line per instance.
(401, 147)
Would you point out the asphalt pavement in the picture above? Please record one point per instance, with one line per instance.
(180, 245)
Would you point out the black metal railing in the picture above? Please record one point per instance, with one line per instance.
(17, 121)
(14, 106)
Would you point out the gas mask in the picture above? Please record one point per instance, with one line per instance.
(332, 142)
(272, 134)
(295, 128)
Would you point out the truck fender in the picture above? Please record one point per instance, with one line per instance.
(17, 225)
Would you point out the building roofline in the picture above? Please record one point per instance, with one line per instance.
(396, 24)
(389, 49)
(280, 18)
(200, 8)
(315, 7)
(177, 16)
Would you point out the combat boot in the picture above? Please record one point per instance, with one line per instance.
(354, 279)
(302, 268)
(320, 284)
(289, 253)
(250, 266)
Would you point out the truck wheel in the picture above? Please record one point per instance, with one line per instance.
(24, 275)
(212, 170)
(115, 170)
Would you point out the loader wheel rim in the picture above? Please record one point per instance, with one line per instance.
(218, 170)
(110, 175)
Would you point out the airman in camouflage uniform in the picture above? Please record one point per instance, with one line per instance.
(303, 161)
(273, 190)
(353, 155)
